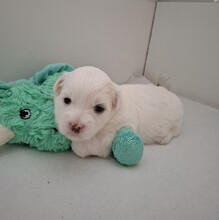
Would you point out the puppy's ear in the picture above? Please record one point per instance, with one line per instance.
(115, 96)
(58, 85)
(60, 82)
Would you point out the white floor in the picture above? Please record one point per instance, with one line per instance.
(173, 182)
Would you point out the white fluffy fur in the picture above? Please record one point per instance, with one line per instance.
(153, 112)
(5, 135)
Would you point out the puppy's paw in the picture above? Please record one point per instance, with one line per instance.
(163, 139)
(105, 153)
(79, 151)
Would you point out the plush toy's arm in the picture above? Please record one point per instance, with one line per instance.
(5, 135)
(41, 76)
(127, 147)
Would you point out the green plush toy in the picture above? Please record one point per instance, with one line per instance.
(27, 117)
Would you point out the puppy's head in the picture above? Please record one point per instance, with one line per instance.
(85, 100)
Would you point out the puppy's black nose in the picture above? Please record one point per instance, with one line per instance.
(77, 128)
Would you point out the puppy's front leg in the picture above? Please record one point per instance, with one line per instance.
(105, 152)
(98, 146)
(93, 147)
(105, 144)
(80, 149)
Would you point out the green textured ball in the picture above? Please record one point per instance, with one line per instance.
(127, 147)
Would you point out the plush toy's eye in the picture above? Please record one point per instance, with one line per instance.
(99, 109)
(67, 101)
(25, 114)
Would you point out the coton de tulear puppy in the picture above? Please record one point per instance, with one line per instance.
(90, 109)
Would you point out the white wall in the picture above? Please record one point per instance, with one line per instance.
(110, 34)
(185, 46)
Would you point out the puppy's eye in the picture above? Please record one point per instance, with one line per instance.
(99, 109)
(67, 101)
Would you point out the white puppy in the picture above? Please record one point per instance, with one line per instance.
(90, 109)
